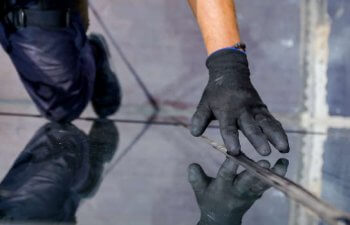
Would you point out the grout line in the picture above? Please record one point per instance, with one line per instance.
(155, 123)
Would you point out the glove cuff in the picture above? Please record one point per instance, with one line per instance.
(226, 58)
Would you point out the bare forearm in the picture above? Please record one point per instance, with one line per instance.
(217, 21)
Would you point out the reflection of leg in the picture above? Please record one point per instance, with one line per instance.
(103, 142)
(107, 92)
(103, 139)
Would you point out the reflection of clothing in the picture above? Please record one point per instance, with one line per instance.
(58, 167)
(48, 174)
(56, 66)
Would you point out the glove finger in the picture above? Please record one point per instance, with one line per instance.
(274, 132)
(245, 180)
(200, 120)
(229, 133)
(253, 132)
(227, 172)
(198, 179)
(279, 168)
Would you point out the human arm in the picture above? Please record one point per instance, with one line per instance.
(229, 96)
(217, 21)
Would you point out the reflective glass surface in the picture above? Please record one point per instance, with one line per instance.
(134, 168)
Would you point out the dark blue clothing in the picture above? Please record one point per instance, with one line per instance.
(46, 178)
(59, 167)
(56, 66)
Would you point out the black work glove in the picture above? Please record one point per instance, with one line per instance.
(225, 199)
(231, 98)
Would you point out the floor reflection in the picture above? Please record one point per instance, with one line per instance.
(59, 167)
(225, 199)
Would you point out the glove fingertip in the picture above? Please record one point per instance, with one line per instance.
(234, 151)
(281, 167)
(231, 141)
(196, 131)
(198, 126)
(264, 163)
(283, 146)
(193, 167)
(284, 162)
(264, 150)
(197, 178)
(193, 171)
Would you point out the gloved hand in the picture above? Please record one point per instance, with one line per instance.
(231, 98)
(225, 199)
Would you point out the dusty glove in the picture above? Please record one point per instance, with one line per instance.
(231, 98)
(225, 199)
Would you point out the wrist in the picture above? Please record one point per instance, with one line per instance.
(208, 222)
(239, 46)
(227, 57)
(220, 42)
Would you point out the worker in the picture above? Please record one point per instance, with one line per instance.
(63, 69)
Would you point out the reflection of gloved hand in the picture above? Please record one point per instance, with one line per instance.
(231, 98)
(225, 199)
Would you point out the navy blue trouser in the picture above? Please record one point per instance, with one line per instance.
(56, 66)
